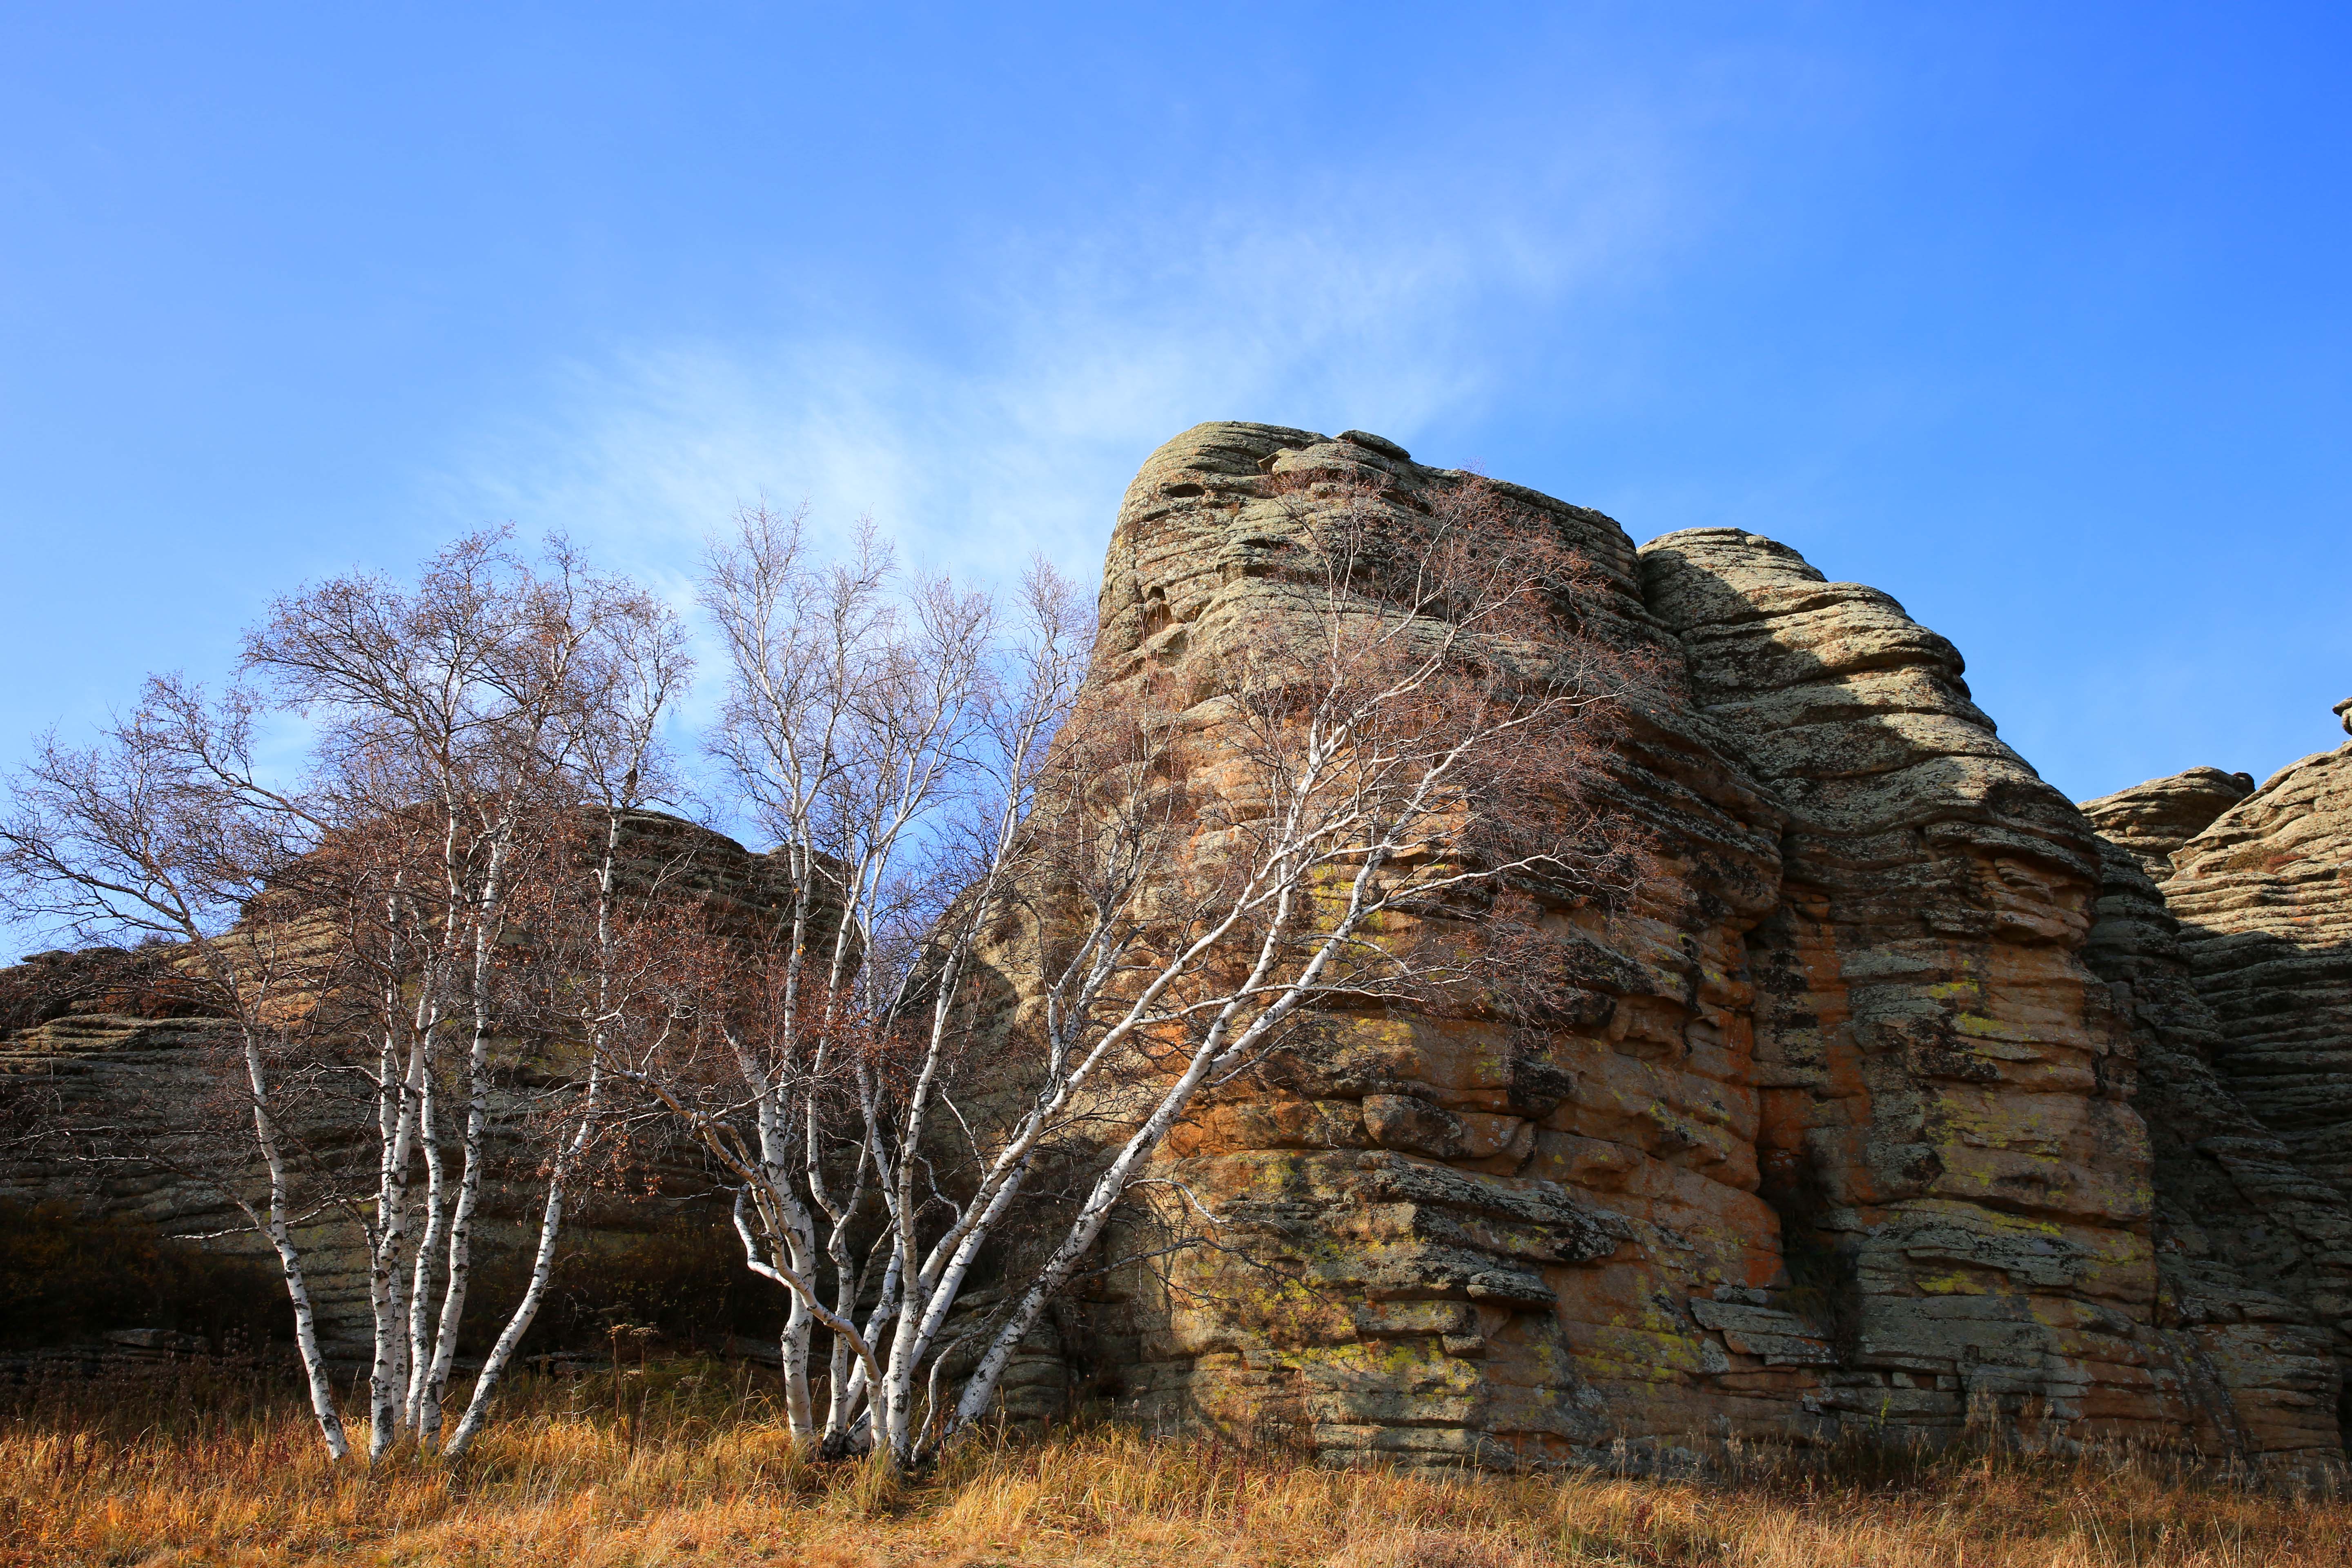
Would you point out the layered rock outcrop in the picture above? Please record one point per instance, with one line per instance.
(1849, 1136)
(1946, 1087)
(2264, 898)
(1499, 1243)
(2150, 821)
(1900, 1097)
(2244, 1239)
(2232, 956)
(103, 1055)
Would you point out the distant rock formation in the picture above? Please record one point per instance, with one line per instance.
(2150, 821)
(108, 1040)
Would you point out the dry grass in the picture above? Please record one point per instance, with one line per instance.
(682, 1466)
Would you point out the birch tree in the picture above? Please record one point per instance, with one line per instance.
(604, 937)
(438, 891)
(472, 719)
(856, 696)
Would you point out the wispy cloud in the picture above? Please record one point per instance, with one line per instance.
(1386, 298)
(1331, 303)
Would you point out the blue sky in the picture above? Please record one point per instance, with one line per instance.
(2035, 316)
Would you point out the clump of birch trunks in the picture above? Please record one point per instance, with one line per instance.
(693, 1462)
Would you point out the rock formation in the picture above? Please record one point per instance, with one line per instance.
(2150, 821)
(1469, 1289)
(1904, 1097)
(1944, 1088)
(2243, 1238)
(2235, 960)
(107, 1040)
(2264, 898)
(1848, 1137)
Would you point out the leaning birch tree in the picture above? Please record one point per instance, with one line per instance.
(1409, 729)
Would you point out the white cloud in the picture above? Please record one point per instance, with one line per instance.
(1386, 300)
(1089, 354)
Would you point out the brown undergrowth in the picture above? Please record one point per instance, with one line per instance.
(686, 1465)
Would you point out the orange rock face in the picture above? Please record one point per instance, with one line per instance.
(1843, 1134)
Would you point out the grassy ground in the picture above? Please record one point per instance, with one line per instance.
(687, 1466)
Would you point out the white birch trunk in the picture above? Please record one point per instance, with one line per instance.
(459, 1276)
(428, 1244)
(387, 1297)
(289, 1261)
(543, 1265)
(799, 1241)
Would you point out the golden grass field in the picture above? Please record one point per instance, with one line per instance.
(687, 1466)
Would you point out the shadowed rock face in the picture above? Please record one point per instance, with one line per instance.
(1850, 1133)
(1946, 1089)
(2248, 1246)
(2261, 895)
(2264, 899)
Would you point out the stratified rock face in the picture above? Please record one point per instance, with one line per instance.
(2263, 899)
(1853, 1007)
(1946, 1089)
(1895, 1100)
(1513, 1250)
(2151, 820)
(103, 1040)
(2236, 962)
(2247, 1245)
